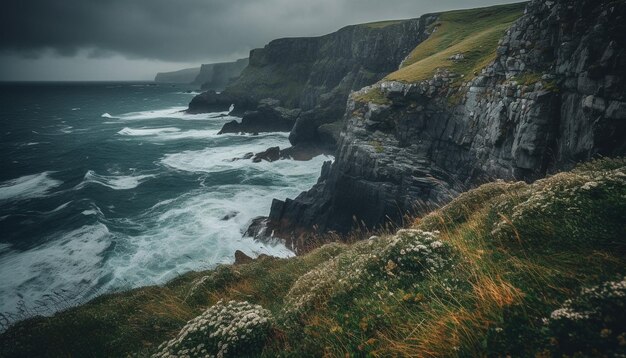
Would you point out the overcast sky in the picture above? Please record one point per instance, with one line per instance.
(134, 39)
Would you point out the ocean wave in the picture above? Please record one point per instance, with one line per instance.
(66, 129)
(58, 208)
(172, 112)
(216, 159)
(106, 115)
(117, 182)
(69, 262)
(147, 131)
(4, 247)
(28, 187)
(190, 233)
(177, 112)
(168, 133)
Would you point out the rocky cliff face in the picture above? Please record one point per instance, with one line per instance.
(182, 76)
(216, 76)
(317, 74)
(554, 95)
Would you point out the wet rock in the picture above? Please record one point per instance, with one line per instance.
(241, 258)
(269, 116)
(257, 228)
(270, 155)
(230, 215)
(210, 101)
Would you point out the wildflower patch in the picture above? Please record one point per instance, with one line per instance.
(594, 320)
(224, 330)
(399, 260)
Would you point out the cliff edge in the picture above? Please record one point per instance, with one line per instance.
(470, 106)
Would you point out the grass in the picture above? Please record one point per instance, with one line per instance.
(372, 95)
(378, 146)
(528, 78)
(137, 321)
(506, 257)
(474, 33)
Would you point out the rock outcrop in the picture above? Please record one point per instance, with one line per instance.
(269, 116)
(317, 74)
(216, 76)
(554, 95)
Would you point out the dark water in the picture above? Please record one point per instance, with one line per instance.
(107, 186)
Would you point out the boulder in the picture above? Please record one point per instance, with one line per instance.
(242, 258)
(270, 155)
(268, 116)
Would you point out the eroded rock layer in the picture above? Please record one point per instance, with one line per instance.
(553, 96)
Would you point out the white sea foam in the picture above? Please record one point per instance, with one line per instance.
(177, 112)
(140, 132)
(172, 135)
(66, 129)
(58, 208)
(215, 159)
(28, 187)
(106, 115)
(70, 260)
(117, 182)
(190, 234)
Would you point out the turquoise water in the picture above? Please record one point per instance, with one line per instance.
(108, 186)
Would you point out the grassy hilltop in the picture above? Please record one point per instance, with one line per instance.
(507, 268)
(474, 33)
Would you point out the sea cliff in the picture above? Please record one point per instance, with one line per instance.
(552, 95)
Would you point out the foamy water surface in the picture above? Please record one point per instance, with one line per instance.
(111, 186)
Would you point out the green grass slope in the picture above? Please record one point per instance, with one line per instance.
(505, 269)
(473, 33)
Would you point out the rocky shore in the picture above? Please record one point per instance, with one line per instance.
(552, 95)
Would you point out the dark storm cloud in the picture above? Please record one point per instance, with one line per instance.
(187, 30)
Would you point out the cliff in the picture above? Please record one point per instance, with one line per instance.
(316, 74)
(185, 76)
(471, 104)
(216, 76)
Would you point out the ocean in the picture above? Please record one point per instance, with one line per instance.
(109, 186)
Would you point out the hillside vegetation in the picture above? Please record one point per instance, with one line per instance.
(505, 269)
(474, 34)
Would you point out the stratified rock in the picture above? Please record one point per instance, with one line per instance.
(434, 139)
(316, 74)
